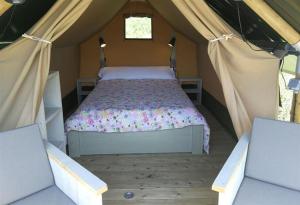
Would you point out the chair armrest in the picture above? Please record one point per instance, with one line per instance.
(231, 175)
(75, 181)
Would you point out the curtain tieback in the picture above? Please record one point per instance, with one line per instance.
(36, 38)
(224, 36)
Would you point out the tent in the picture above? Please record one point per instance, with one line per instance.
(234, 73)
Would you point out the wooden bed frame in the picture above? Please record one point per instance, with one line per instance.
(187, 139)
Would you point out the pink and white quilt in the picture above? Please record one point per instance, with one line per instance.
(136, 105)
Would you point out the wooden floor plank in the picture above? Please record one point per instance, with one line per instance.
(163, 179)
(209, 201)
(161, 193)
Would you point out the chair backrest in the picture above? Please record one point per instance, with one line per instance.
(274, 153)
(24, 165)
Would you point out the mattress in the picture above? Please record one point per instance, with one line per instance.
(136, 105)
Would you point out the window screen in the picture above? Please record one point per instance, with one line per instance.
(138, 27)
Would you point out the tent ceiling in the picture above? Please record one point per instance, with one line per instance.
(101, 11)
(168, 10)
(93, 19)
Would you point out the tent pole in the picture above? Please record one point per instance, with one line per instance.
(262, 9)
(296, 97)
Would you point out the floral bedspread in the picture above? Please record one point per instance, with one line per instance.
(136, 105)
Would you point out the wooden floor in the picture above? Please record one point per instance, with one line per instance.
(163, 179)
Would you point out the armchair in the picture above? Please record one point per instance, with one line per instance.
(264, 168)
(33, 172)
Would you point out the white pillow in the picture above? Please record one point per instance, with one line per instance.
(148, 72)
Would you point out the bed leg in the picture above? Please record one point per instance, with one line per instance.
(197, 139)
(74, 144)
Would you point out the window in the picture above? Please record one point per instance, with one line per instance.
(289, 64)
(138, 27)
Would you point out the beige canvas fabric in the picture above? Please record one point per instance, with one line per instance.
(24, 65)
(249, 78)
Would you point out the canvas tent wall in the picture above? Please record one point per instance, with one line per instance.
(25, 64)
(245, 103)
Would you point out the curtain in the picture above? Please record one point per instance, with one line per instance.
(249, 78)
(24, 65)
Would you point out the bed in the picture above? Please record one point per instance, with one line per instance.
(136, 111)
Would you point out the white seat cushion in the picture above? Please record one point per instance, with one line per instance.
(255, 192)
(274, 153)
(50, 196)
(24, 164)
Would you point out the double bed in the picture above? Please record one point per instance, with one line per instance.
(133, 110)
